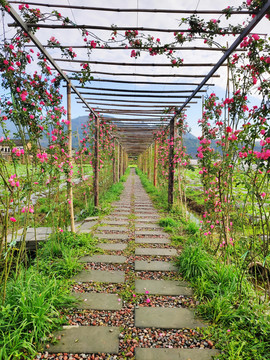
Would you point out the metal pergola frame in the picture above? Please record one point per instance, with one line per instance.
(135, 137)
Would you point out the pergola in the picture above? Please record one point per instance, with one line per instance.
(133, 99)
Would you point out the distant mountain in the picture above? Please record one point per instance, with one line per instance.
(189, 136)
(190, 141)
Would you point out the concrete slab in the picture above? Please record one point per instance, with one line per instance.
(147, 220)
(120, 213)
(146, 240)
(175, 354)
(88, 225)
(107, 259)
(150, 233)
(97, 301)
(155, 252)
(114, 222)
(154, 266)
(166, 318)
(87, 340)
(112, 228)
(100, 276)
(122, 208)
(143, 225)
(112, 236)
(146, 211)
(112, 247)
(150, 217)
(117, 217)
(39, 230)
(149, 214)
(91, 218)
(163, 287)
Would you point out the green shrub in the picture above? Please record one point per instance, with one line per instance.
(168, 222)
(59, 255)
(192, 228)
(194, 262)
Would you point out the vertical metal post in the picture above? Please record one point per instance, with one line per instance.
(126, 161)
(122, 160)
(118, 161)
(148, 162)
(114, 161)
(96, 169)
(155, 164)
(171, 164)
(69, 186)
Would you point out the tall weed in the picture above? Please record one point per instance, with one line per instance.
(30, 312)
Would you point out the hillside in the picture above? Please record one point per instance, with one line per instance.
(190, 141)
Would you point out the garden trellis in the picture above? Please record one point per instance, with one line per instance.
(145, 129)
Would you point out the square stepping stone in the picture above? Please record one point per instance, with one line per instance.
(112, 247)
(155, 252)
(162, 287)
(174, 354)
(117, 217)
(87, 225)
(166, 318)
(107, 259)
(142, 225)
(112, 236)
(39, 230)
(145, 220)
(100, 276)
(91, 218)
(141, 265)
(115, 222)
(150, 233)
(122, 213)
(112, 228)
(147, 240)
(146, 211)
(97, 301)
(150, 215)
(122, 207)
(87, 340)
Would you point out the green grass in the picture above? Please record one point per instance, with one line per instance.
(30, 312)
(159, 196)
(106, 198)
(229, 311)
(34, 296)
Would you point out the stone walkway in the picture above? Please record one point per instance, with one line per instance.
(129, 298)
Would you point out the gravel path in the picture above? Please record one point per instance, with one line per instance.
(133, 199)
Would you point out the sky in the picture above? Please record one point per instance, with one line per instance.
(73, 37)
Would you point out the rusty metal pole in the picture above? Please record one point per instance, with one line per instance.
(171, 163)
(96, 169)
(114, 161)
(126, 161)
(148, 163)
(118, 161)
(123, 160)
(155, 164)
(69, 186)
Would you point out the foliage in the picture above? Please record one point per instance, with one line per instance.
(235, 317)
(30, 312)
